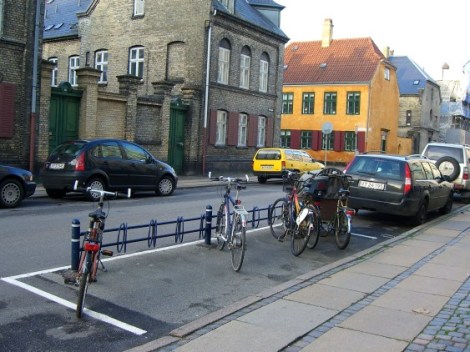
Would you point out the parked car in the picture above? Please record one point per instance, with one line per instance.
(452, 160)
(271, 162)
(398, 185)
(16, 184)
(109, 164)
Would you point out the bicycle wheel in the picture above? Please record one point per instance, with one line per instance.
(301, 234)
(279, 215)
(238, 243)
(316, 227)
(342, 230)
(84, 282)
(221, 227)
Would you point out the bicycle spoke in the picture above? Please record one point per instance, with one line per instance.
(301, 236)
(316, 227)
(342, 233)
(238, 244)
(279, 216)
(221, 227)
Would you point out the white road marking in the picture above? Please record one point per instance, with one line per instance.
(359, 235)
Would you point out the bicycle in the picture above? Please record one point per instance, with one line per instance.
(91, 246)
(231, 225)
(294, 215)
(329, 190)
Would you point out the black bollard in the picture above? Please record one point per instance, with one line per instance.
(75, 244)
(208, 224)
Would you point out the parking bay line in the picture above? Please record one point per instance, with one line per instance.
(365, 236)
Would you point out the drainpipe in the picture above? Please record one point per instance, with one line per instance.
(206, 95)
(32, 136)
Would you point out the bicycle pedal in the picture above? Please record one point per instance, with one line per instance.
(107, 252)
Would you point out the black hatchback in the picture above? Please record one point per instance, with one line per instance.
(398, 185)
(108, 164)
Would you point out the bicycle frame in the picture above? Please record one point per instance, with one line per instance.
(237, 208)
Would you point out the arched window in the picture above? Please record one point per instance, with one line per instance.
(55, 71)
(101, 63)
(245, 64)
(74, 64)
(224, 61)
(263, 73)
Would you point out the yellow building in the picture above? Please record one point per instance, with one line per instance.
(346, 86)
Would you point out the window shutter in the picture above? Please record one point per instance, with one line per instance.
(361, 141)
(252, 130)
(269, 131)
(232, 128)
(212, 126)
(7, 109)
(339, 141)
(295, 139)
(316, 140)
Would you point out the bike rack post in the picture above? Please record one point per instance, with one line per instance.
(207, 236)
(75, 244)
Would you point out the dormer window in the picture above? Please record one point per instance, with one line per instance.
(229, 5)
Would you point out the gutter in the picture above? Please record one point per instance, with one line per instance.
(32, 136)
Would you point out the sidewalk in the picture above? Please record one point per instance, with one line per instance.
(410, 293)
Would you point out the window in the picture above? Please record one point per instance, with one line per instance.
(221, 131)
(135, 153)
(328, 141)
(308, 101)
(101, 63)
(306, 140)
(136, 62)
(354, 103)
(285, 138)
(54, 72)
(139, 7)
(329, 107)
(384, 135)
(245, 62)
(1, 17)
(261, 131)
(228, 4)
(408, 117)
(74, 64)
(287, 103)
(387, 73)
(224, 62)
(242, 129)
(263, 73)
(350, 141)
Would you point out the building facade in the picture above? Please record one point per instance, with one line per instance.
(196, 82)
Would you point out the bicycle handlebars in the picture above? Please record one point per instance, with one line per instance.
(101, 192)
(228, 179)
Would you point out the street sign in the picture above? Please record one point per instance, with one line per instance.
(327, 128)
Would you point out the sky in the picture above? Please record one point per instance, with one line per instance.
(431, 33)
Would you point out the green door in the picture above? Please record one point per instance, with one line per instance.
(63, 116)
(176, 141)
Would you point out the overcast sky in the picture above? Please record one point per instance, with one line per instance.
(430, 33)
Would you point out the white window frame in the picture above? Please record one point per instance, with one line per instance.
(263, 76)
(1, 16)
(245, 62)
(242, 130)
(261, 137)
(224, 65)
(74, 64)
(139, 7)
(55, 71)
(136, 62)
(387, 73)
(101, 63)
(221, 130)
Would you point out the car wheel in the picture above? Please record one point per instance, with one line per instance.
(446, 209)
(165, 186)
(55, 193)
(449, 167)
(11, 193)
(95, 183)
(421, 215)
(262, 179)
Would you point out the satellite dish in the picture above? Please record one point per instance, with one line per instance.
(327, 128)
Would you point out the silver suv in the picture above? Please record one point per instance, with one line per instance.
(452, 160)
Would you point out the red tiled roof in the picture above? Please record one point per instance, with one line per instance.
(347, 60)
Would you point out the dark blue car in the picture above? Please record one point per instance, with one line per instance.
(15, 185)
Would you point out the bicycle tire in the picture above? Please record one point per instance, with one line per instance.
(84, 282)
(279, 218)
(301, 236)
(342, 232)
(238, 243)
(315, 233)
(221, 227)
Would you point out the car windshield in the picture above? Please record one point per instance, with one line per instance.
(376, 167)
(437, 152)
(67, 151)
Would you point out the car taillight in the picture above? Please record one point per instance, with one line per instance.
(465, 173)
(407, 187)
(80, 162)
(283, 165)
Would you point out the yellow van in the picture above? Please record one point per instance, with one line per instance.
(270, 162)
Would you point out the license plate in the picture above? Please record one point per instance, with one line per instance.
(372, 185)
(56, 166)
(266, 167)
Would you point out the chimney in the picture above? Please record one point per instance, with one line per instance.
(327, 35)
(386, 52)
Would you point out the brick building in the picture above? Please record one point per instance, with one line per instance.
(19, 79)
(196, 82)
